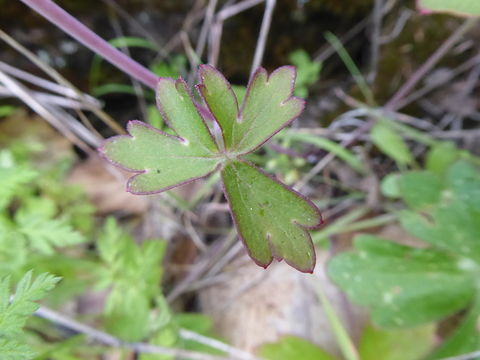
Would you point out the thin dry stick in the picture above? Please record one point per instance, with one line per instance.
(110, 340)
(469, 356)
(207, 23)
(55, 75)
(392, 104)
(47, 85)
(192, 18)
(325, 52)
(216, 30)
(193, 59)
(48, 98)
(41, 109)
(214, 343)
(467, 65)
(430, 63)
(262, 37)
(190, 229)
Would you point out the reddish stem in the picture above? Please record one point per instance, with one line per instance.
(87, 37)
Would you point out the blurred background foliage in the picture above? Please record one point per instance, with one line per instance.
(164, 277)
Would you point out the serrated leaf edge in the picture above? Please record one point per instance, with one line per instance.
(305, 228)
(101, 150)
(166, 118)
(240, 109)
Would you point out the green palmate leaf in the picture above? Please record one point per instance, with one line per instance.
(453, 223)
(420, 189)
(267, 108)
(441, 156)
(399, 344)
(403, 286)
(292, 347)
(271, 218)
(456, 7)
(164, 161)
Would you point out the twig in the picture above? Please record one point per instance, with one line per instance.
(470, 356)
(430, 63)
(392, 104)
(405, 15)
(327, 51)
(199, 243)
(192, 57)
(214, 343)
(48, 98)
(84, 35)
(473, 61)
(55, 75)
(65, 91)
(262, 37)
(216, 30)
(42, 109)
(110, 340)
(207, 23)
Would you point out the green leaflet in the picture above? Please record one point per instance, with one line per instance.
(405, 286)
(267, 108)
(402, 286)
(397, 344)
(391, 143)
(271, 218)
(164, 161)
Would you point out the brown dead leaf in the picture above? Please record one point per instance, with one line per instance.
(104, 190)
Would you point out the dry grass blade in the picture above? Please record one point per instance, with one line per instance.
(109, 340)
(55, 75)
(47, 112)
(216, 30)
(262, 37)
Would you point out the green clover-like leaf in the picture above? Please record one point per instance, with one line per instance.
(272, 219)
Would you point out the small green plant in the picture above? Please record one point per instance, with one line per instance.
(16, 309)
(308, 71)
(272, 219)
(133, 273)
(406, 286)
